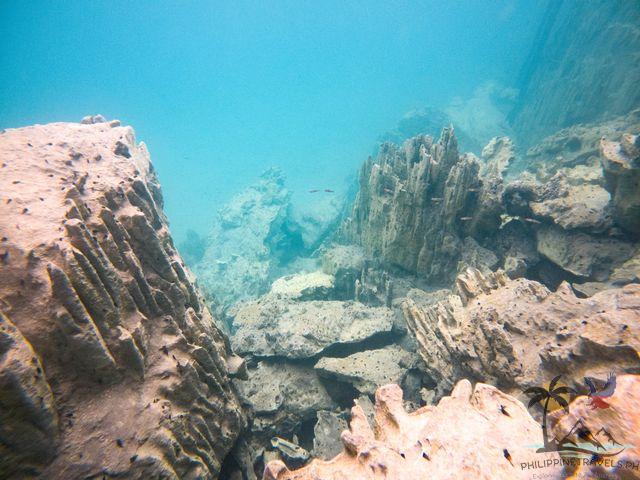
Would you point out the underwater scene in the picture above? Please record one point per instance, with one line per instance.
(320, 240)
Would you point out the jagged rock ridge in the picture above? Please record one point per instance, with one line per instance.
(111, 364)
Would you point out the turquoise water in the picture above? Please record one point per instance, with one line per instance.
(220, 91)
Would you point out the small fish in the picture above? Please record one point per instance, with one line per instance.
(465, 219)
(472, 189)
(532, 220)
(314, 190)
(436, 199)
(328, 190)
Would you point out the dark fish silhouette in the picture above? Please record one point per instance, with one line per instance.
(314, 190)
(328, 190)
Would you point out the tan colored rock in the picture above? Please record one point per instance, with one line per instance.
(110, 356)
(621, 163)
(581, 254)
(517, 333)
(414, 205)
(466, 436)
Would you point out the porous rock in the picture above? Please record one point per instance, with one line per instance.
(517, 333)
(415, 204)
(465, 436)
(111, 362)
(369, 369)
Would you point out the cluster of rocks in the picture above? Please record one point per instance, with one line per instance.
(111, 364)
(311, 352)
(478, 432)
(258, 236)
(426, 211)
(480, 271)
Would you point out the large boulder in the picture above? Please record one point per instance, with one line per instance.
(110, 362)
(244, 241)
(581, 254)
(280, 396)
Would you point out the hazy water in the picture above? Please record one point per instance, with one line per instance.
(222, 90)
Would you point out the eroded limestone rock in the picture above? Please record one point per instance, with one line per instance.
(369, 369)
(466, 435)
(517, 333)
(111, 362)
(415, 205)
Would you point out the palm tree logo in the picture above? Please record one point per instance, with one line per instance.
(540, 394)
(557, 394)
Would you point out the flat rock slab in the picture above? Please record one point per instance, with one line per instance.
(304, 286)
(370, 369)
(273, 327)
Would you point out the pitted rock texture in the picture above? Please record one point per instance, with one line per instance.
(516, 333)
(369, 369)
(297, 330)
(110, 362)
(465, 436)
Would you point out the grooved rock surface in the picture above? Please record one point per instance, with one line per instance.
(516, 333)
(273, 327)
(418, 202)
(465, 436)
(110, 363)
(571, 76)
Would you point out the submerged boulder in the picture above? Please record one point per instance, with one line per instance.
(239, 254)
(110, 361)
(369, 369)
(517, 333)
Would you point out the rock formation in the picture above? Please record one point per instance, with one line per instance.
(466, 435)
(111, 365)
(241, 250)
(311, 353)
(516, 333)
(417, 203)
(481, 432)
(259, 236)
